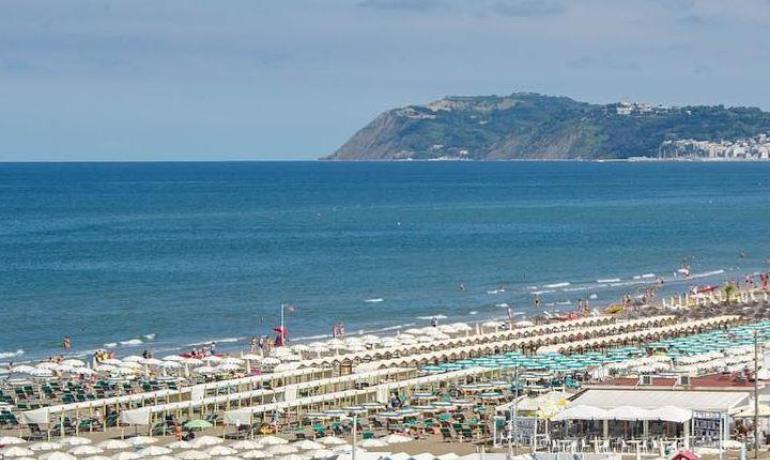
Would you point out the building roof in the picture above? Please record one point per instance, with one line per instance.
(712, 401)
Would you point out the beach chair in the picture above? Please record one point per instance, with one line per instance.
(367, 435)
(35, 433)
(446, 435)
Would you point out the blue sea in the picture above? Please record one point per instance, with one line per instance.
(164, 255)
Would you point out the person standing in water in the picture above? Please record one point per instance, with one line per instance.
(67, 343)
(537, 301)
(434, 322)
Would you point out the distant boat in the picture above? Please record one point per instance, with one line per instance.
(375, 300)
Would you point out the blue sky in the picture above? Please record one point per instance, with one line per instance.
(291, 79)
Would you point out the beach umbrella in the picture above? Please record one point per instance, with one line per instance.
(40, 372)
(73, 363)
(73, 441)
(294, 457)
(126, 455)
(133, 359)
(193, 455)
(221, 451)
(193, 361)
(114, 444)
(97, 457)
(231, 360)
(44, 446)
(170, 365)
(396, 439)
(252, 357)
(173, 358)
(270, 361)
(206, 441)
(226, 457)
(282, 449)
(205, 370)
(372, 443)
(164, 457)
(105, 368)
(85, 450)
(255, 454)
(22, 369)
(342, 448)
(271, 440)
(15, 451)
(153, 451)
(151, 362)
(246, 444)
(179, 445)
(212, 359)
(47, 365)
(307, 444)
(228, 367)
(141, 440)
(198, 424)
(11, 441)
(322, 454)
(112, 361)
(332, 441)
(57, 456)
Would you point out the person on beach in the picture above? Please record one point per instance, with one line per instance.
(253, 345)
(434, 322)
(213, 348)
(67, 343)
(342, 329)
(537, 301)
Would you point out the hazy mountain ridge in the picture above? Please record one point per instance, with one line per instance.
(528, 125)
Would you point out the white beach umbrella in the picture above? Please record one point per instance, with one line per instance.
(396, 439)
(193, 361)
(57, 456)
(231, 360)
(173, 358)
(74, 441)
(41, 372)
(11, 441)
(255, 454)
(284, 367)
(300, 348)
(154, 451)
(44, 446)
(131, 365)
(126, 455)
(332, 441)
(73, 362)
(47, 365)
(141, 440)
(85, 450)
(270, 361)
(105, 368)
(133, 359)
(97, 457)
(22, 369)
(178, 445)
(246, 444)
(294, 457)
(16, 451)
(193, 455)
(205, 370)
(212, 359)
(307, 444)
(271, 440)
(372, 443)
(84, 371)
(252, 357)
(170, 365)
(282, 449)
(164, 457)
(206, 441)
(228, 367)
(342, 448)
(221, 451)
(151, 362)
(112, 361)
(124, 371)
(322, 454)
(229, 457)
(114, 444)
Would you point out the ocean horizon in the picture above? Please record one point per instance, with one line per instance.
(165, 255)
